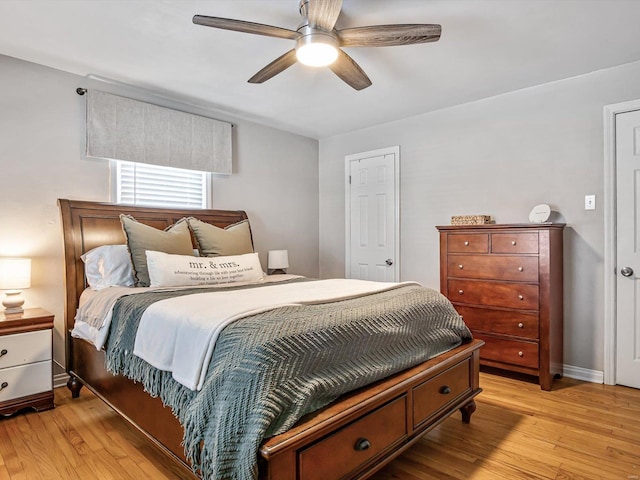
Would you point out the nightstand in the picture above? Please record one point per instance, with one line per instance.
(26, 375)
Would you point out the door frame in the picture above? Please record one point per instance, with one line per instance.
(395, 150)
(610, 230)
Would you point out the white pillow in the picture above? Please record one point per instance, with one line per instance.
(166, 270)
(108, 266)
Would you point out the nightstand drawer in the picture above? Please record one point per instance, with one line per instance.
(24, 348)
(25, 380)
(519, 269)
(344, 452)
(497, 294)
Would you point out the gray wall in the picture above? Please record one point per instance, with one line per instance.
(500, 157)
(41, 159)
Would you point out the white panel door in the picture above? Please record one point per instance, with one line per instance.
(628, 249)
(372, 227)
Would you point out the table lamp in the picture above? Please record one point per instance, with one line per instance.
(278, 262)
(15, 274)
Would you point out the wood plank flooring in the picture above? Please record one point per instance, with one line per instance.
(578, 431)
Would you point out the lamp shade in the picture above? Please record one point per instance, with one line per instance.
(15, 273)
(278, 259)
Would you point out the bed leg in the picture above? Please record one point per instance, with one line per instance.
(467, 411)
(74, 385)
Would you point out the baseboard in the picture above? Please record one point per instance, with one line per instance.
(579, 373)
(60, 380)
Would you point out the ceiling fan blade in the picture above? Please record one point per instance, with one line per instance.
(350, 72)
(279, 65)
(246, 27)
(389, 35)
(323, 14)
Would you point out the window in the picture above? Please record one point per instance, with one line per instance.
(155, 186)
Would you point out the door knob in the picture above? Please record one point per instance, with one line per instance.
(388, 261)
(626, 271)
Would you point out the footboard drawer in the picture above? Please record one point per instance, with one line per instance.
(353, 446)
(435, 393)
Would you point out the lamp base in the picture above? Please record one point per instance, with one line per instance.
(13, 302)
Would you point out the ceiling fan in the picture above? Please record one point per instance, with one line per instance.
(318, 42)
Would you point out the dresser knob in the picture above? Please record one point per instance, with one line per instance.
(466, 243)
(460, 292)
(3, 386)
(361, 444)
(460, 267)
(520, 354)
(513, 242)
(520, 297)
(520, 269)
(521, 325)
(3, 352)
(445, 390)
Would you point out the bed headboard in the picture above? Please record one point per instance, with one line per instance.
(86, 225)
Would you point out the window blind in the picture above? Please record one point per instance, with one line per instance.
(120, 128)
(154, 186)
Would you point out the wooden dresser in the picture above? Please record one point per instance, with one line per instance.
(506, 281)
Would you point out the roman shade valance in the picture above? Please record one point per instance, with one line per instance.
(124, 129)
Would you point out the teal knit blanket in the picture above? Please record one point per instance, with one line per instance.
(270, 369)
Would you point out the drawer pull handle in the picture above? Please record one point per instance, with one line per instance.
(521, 297)
(520, 354)
(513, 242)
(466, 243)
(3, 352)
(444, 390)
(361, 444)
(520, 269)
(460, 291)
(3, 386)
(521, 325)
(460, 267)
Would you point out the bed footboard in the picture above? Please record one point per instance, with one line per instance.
(367, 429)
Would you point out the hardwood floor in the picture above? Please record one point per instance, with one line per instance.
(577, 431)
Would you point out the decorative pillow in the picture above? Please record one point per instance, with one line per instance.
(108, 266)
(213, 241)
(179, 270)
(140, 238)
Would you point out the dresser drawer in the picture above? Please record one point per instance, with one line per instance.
(25, 380)
(514, 242)
(468, 243)
(497, 294)
(23, 348)
(439, 391)
(515, 352)
(522, 269)
(338, 455)
(517, 324)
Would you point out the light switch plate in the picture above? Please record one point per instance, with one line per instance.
(589, 202)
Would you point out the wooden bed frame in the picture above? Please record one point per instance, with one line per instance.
(359, 432)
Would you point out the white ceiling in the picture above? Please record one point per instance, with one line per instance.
(488, 47)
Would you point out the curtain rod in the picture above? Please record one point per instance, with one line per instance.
(81, 91)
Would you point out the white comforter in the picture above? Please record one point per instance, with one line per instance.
(179, 334)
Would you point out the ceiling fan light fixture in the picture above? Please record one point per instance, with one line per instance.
(317, 49)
